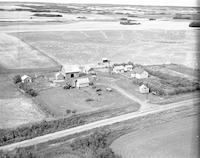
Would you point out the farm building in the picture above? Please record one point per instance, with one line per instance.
(128, 67)
(118, 69)
(82, 82)
(139, 73)
(143, 89)
(59, 76)
(26, 79)
(70, 71)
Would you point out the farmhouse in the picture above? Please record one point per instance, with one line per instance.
(26, 79)
(70, 71)
(82, 82)
(118, 69)
(143, 89)
(139, 73)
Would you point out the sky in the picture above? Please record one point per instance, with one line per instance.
(131, 2)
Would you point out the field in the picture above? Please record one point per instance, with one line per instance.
(58, 100)
(82, 47)
(176, 139)
(15, 54)
(16, 109)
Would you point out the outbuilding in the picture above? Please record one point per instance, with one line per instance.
(26, 79)
(82, 82)
(59, 76)
(143, 89)
(70, 71)
(128, 67)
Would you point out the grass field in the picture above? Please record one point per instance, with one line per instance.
(15, 109)
(58, 100)
(176, 139)
(15, 54)
(141, 46)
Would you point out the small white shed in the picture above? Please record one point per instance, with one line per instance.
(143, 89)
(59, 76)
(26, 79)
(118, 69)
(82, 82)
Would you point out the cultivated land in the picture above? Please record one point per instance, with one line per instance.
(15, 108)
(84, 47)
(15, 54)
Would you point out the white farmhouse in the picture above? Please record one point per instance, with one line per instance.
(143, 89)
(26, 79)
(82, 82)
(118, 69)
(139, 73)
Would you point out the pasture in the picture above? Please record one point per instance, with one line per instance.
(16, 109)
(149, 46)
(58, 100)
(15, 54)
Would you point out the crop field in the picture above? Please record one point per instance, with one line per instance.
(15, 109)
(58, 100)
(15, 54)
(140, 46)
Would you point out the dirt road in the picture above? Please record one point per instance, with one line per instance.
(82, 128)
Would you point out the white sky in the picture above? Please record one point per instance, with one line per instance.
(132, 2)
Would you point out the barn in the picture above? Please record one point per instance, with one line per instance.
(70, 71)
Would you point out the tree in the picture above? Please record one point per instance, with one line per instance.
(17, 79)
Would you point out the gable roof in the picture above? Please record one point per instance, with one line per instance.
(25, 77)
(71, 68)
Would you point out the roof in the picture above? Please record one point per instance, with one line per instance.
(138, 70)
(129, 66)
(83, 80)
(120, 67)
(71, 68)
(25, 77)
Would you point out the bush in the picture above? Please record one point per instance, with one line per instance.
(32, 92)
(89, 100)
(17, 79)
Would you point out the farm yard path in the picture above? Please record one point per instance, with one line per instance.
(97, 124)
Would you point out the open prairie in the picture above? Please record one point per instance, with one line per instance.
(15, 54)
(148, 46)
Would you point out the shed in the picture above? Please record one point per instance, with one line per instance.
(59, 76)
(82, 82)
(139, 73)
(26, 79)
(144, 89)
(70, 71)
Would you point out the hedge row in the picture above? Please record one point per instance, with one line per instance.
(8, 136)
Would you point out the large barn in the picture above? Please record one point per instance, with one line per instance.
(70, 71)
